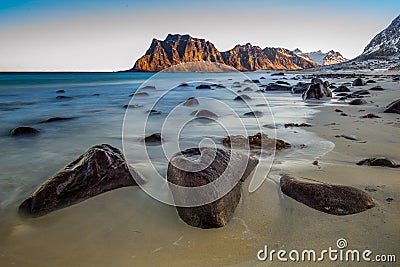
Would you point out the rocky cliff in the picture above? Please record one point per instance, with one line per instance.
(176, 49)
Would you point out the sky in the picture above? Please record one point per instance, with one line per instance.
(110, 35)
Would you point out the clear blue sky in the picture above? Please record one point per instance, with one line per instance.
(111, 35)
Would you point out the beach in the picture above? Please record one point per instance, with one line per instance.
(127, 227)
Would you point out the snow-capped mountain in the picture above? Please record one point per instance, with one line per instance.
(328, 58)
(385, 44)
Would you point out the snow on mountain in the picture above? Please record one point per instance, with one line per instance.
(328, 58)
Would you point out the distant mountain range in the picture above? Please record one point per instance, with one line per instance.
(382, 52)
(328, 58)
(176, 49)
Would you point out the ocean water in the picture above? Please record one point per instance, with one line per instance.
(96, 109)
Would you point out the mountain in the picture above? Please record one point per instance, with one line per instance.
(329, 58)
(385, 44)
(176, 49)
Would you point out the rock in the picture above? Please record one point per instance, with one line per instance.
(277, 87)
(358, 101)
(255, 114)
(338, 110)
(153, 112)
(204, 113)
(370, 116)
(148, 87)
(203, 86)
(247, 89)
(101, 168)
(341, 89)
(377, 88)
(361, 92)
(382, 161)
(213, 163)
(140, 93)
(96, 95)
(343, 114)
(262, 78)
(24, 130)
(328, 198)
(60, 92)
(300, 88)
(55, 119)
(183, 85)
(287, 125)
(358, 82)
(153, 139)
(257, 141)
(133, 106)
(191, 101)
(316, 80)
(63, 97)
(349, 137)
(370, 81)
(282, 82)
(317, 91)
(393, 107)
(242, 98)
(278, 74)
(255, 81)
(342, 94)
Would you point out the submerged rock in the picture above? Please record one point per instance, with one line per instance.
(242, 98)
(55, 119)
(341, 89)
(191, 101)
(153, 139)
(393, 107)
(358, 101)
(204, 113)
(328, 198)
(60, 92)
(24, 130)
(377, 88)
(255, 114)
(63, 97)
(382, 161)
(277, 87)
(203, 86)
(212, 163)
(100, 169)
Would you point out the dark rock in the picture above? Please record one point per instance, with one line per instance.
(343, 114)
(102, 168)
(247, 89)
(370, 116)
(203, 86)
(383, 162)
(262, 78)
(361, 92)
(63, 97)
(183, 84)
(300, 88)
(287, 125)
(96, 95)
(153, 139)
(377, 88)
(148, 87)
(317, 91)
(393, 107)
(278, 74)
(370, 81)
(358, 101)
(133, 106)
(277, 87)
(242, 98)
(342, 94)
(358, 82)
(259, 140)
(255, 81)
(341, 89)
(349, 137)
(316, 80)
(204, 113)
(255, 114)
(328, 198)
(140, 93)
(338, 110)
(60, 92)
(153, 112)
(55, 119)
(282, 82)
(231, 166)
(191, 101)
(24, 130)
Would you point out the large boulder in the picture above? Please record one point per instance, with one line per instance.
(317, 91)
(332, 199)
(24, 130)
(196, 167)
(300, 88)
(393, 107)
(359, 82)
(100, 169)
(358, 101)
(257, 141)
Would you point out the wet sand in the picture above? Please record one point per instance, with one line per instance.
(126, 227)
